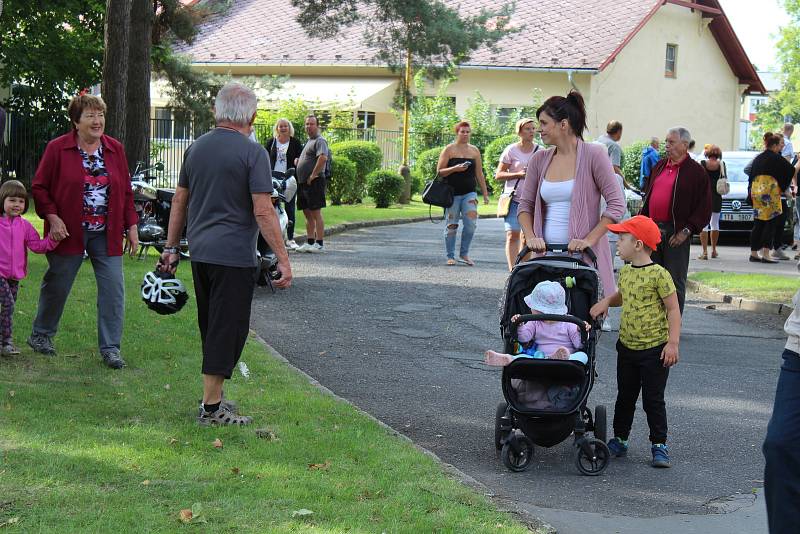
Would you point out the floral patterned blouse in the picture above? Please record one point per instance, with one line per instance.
(95, 190)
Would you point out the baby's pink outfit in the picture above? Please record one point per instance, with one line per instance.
(550, 336)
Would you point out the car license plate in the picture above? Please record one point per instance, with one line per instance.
(744, 217)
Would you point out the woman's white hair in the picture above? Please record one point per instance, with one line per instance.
(682, 132)
(277, 122)
(235, 103)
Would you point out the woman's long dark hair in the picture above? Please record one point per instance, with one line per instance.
(571, 107)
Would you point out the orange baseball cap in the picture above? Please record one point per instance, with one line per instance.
(641, 227)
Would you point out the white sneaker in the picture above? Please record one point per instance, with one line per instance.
(779, 255)
(303, 248)
(291, 245)
(316, 248)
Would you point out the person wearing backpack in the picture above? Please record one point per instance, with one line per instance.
(718, 178)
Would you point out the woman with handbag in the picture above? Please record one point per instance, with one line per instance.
(559, 201)
(511, 170)
(461, 167)
(718, 176)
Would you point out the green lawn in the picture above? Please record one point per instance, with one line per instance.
(764, 287)
(87, 449)
(368, 212)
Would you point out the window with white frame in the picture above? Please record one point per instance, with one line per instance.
(671, 61)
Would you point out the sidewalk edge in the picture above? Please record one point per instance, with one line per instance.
(757, 306)
(534, 523)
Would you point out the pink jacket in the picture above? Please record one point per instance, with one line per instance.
(594, 178)
(17, 235)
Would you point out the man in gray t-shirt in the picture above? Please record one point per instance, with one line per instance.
(311, 185)
(611, 141)
(225, 188)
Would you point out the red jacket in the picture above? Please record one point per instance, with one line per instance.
(691, 196)
(58, 189)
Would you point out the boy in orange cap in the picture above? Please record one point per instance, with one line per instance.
(649, 334)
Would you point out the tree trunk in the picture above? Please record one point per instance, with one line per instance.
(115, 66)
(137, 118)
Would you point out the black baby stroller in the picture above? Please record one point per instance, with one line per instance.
(519, 423)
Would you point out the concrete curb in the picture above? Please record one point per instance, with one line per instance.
(534, 523)
(344, 227)
(742, 303)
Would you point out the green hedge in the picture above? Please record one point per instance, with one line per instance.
(343, 176)
(367, 156)
(491, 155)
(384, 187)
(425, 165)
(632, 161)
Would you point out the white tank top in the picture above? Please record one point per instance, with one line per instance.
(557, 196)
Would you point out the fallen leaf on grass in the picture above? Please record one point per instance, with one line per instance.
(12, 393)
(217, 443)
(267, 434)
(302, 512)
(9, 522)
(166, 386)
(186, 515)
(321, 467)
(173, 441)
(235, 470)
(145, 482)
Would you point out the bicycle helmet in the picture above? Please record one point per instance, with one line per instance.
(163, 293)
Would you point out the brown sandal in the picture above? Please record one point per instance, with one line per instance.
(702, 257)
(451, 261)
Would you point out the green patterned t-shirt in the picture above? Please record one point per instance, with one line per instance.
(644, 317)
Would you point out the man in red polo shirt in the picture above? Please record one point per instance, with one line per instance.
(678, 199)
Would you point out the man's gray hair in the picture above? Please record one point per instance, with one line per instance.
(654, 140)
(788, 127)
(235, 103)
(682, 132)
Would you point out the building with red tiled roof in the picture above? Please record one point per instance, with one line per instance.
(650, 64)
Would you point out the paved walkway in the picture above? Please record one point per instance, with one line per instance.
(733, 259)
(382, 322)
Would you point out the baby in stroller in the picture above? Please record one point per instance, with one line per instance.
(553, 340)
(544, 339)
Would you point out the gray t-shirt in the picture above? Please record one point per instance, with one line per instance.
(314, 148)
(222, 169)
(614, 150)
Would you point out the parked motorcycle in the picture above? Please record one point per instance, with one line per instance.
(153, 206)
(284, 188)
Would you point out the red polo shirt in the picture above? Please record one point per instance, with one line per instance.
(662, 192)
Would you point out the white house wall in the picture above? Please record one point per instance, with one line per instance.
(704, 97)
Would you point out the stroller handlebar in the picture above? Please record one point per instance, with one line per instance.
(560, 248)
(552, 317)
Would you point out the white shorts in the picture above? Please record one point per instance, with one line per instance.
(714, 223)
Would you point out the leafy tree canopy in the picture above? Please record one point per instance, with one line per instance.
(437, 35)
(52, 52)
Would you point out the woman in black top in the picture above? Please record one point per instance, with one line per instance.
(284, 149)
(460, 164)
(769, 174)
(714, 167)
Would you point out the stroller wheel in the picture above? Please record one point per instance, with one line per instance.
(517, 452)
(593, 456)
(600, 423)
(501, 428)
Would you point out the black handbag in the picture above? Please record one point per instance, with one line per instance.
(437, 192)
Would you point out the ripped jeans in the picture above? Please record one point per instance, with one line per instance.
(465, 207)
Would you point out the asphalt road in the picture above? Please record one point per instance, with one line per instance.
(381, 321)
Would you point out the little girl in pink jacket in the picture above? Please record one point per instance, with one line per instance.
(17, 235)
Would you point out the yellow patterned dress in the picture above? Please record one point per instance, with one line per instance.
(766, 196)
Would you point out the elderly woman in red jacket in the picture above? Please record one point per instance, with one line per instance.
(83, 192)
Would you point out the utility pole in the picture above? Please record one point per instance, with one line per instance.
(405, 172)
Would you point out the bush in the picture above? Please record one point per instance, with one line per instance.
(417, 183)
(343, 175)
(367, 157)
(632, 161)
(491, 156)
(425, 164)
(384, 187)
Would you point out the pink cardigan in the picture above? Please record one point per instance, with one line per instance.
(17, 235)
(594, 178)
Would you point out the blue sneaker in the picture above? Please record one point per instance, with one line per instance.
(618, 447)
(660, 455)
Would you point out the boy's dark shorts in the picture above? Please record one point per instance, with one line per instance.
(311, 196)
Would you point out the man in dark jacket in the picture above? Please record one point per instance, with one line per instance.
(678, 199)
